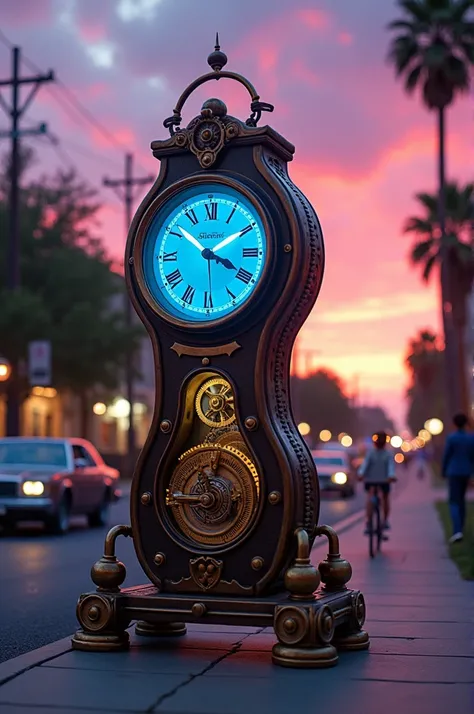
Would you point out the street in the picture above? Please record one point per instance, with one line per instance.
(42, 575)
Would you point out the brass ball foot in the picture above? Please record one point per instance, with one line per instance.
(304, 657)
(160, 629)
(353, 641)
(100, 642)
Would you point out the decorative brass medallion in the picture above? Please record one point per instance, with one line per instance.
(215, 403)
(206, 572)
(213, 494)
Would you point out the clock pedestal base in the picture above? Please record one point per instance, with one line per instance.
(310, 623)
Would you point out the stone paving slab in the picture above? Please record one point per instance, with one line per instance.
(230, 695)
(107, 691)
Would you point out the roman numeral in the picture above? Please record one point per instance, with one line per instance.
(244, 276)
(189, 294)
(231, 295)
(245, 230)
(192, 216)
(250, 252)
(173, 233)
(174, 279)
(211, 210)
(170, 256)
(231, 213)
(208, 299)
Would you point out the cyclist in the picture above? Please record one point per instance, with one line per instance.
(378, 469)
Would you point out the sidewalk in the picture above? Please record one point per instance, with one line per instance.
(419, 620)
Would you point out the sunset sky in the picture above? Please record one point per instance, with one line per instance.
(362, 147)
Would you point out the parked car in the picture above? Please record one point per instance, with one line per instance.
(49, 480)
(334, 471)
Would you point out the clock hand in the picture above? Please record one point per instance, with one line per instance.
(226, 241)
(209, 274)
(191, 239)
(208, 254)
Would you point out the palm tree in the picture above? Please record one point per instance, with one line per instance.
(453, 248)
(434, 51)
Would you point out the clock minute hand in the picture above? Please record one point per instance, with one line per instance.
(191, 239)
(226, 241)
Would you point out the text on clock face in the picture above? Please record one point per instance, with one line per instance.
(208, 253)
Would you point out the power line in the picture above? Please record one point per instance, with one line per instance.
(81, 110)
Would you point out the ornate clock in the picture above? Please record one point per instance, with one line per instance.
(224, 263)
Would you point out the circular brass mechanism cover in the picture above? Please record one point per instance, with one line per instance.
(215, 403)
(213, 494)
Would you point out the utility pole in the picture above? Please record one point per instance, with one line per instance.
(127, 197)
(15, 112)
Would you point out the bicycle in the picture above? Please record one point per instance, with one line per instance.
(376, 535)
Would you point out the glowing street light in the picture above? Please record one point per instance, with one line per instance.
(5, 369)
(396, 441)
(99, 408)
(406, 446)
(304, 428)
(325, 435)
(399, 458)
(424, 434)
(434, 426)
(346, 440)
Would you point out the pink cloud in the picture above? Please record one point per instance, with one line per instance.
(303, 73)
(315, 19)
(345, 38)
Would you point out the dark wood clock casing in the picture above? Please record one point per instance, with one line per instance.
(225, 496)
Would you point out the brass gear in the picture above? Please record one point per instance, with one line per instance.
(215, 402)
(213, 494)
(228, 436)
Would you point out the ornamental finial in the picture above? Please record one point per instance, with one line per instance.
(217, 59)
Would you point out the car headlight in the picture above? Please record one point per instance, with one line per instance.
(33, 488)
(339, 477)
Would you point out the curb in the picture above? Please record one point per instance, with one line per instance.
(18, 665)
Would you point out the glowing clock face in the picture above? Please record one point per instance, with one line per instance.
(204, 252)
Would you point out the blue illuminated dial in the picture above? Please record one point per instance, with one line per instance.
(204, 252)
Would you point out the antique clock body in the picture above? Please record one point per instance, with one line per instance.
(224, 262)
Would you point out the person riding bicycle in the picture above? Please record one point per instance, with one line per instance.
(378, 469)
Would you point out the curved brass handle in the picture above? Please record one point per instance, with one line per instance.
(217, 60)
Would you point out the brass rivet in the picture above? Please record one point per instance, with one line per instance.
(274, 498)
(159, 558)
(165, 426)
(205, 361)
(257, 563)
(94, 613)
(290, 625)
(287, 248)
(130, 261)
(251, 423)
(146, 498)
(198, 609)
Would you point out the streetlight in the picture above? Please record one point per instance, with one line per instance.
(346, 441)
(5, 369)
(396, 441)
(434, 426)
(325, 435)
(304, 428)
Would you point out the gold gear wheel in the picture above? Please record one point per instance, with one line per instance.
(213, 494)
(215, 403)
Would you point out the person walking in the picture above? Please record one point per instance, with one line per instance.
(458, 467)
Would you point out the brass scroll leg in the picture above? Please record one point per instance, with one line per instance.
(335, 573)
(304, 628)
(103, 630)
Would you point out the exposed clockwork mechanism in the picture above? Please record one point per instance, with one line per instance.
(215, 403)
(213, 494)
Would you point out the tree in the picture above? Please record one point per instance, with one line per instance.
(425, 362)
(320, 401)
(434, 51)
(68, 287)
(456, 247)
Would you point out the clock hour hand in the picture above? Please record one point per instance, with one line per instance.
(208, 254)
(191, 239)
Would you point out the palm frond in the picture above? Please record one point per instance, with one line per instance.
(429, 265)
(403, 51)
(413, 77)
(417, 225)
(416, 9)
(423, 250)
(428, 201)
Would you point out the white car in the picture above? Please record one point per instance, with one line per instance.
(334, 471)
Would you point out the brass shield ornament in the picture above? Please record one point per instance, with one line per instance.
(206, 572)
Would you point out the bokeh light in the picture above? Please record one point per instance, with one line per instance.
(396, 441)
(406, 446)
(325, 435)
(435, 426)
(346, 440)
(424, 434)
(399, 458)
(99, 408)
(304, 428)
